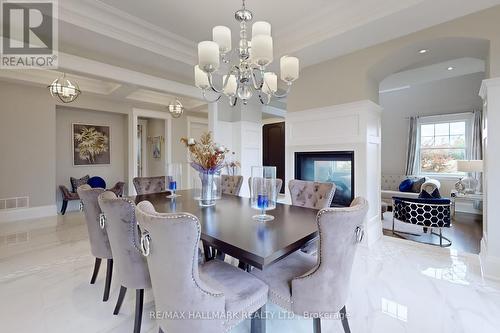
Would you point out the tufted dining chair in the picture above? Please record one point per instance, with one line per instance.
(181, 286)
(99, 242)
(148, 185)
(130, 265)
(231, 184)
(311, 195)
(279, 184)
(318, 287)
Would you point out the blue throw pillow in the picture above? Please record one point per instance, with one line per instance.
(406, 185)
(435, 194)
(97, 182)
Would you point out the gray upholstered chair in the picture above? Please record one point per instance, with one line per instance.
(231, 184)
(99, 242)
(148, 185)
(318, 287)
(181, 286)
(130, 265)
(311, 195)
(279, 184)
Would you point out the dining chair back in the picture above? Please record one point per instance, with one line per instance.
(179, 285)
(148, 185)
(311, 194)
(231, 184)
(98, 237)
(131, 267)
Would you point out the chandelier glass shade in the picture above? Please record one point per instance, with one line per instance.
(64, 90)
(249, 76)
(176, 109)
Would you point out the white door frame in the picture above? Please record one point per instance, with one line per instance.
(133, 120)
(144, 147)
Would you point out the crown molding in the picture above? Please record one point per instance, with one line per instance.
(75, 64)
(45, 77)
(149, 96)
(106, 20)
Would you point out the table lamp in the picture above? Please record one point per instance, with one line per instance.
(468, 184)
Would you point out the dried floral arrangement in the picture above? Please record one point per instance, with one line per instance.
(205, 154)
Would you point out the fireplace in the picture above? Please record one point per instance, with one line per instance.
(329, 166)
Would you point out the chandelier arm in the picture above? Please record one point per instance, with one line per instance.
(257, 86)
(231, 102)
(285, 94)
(204, 92)
(263, 101)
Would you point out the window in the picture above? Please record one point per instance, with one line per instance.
(442, 141)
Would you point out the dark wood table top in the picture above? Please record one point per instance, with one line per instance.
(229, 227)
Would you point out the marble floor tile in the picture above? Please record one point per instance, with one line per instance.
(396, 286)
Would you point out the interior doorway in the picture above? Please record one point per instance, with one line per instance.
(142, 134)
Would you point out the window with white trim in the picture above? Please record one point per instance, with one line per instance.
(442, 141)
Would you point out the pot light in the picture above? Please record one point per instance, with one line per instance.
(451, 68)
(423, 51)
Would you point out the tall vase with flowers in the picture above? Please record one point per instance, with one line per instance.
(207, 158)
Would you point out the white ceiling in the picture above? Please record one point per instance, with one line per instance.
(440, 71)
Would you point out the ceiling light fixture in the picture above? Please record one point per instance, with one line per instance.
(176, 109)
(423, 51)
(64, 90)
(248, 76)
(451, 68)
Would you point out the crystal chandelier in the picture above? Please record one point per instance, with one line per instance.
(176, 109)
(248, 77)
(64, 90)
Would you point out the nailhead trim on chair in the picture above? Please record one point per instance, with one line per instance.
(176, 216)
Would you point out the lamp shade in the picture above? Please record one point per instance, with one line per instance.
(470, 165)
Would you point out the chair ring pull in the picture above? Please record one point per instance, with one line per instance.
(359, 234)
(102, 220)
(145, 241)
(81, 206)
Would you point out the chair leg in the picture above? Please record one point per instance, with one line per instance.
(345, 322)
(258, 323)
(97, 265)
(119, 302)
(220, 255)
(139, 303)
(64, 207)
(109, 274)
(317, 325)
(207, 251)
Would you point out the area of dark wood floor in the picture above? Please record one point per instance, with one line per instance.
(465, 233)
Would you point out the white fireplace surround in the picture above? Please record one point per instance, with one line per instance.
(347, 127)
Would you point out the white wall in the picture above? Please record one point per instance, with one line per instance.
(114, 172)
(453, 95)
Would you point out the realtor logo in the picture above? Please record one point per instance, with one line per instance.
(29, 34)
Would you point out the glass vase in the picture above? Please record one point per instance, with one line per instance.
(207, 188)
(174, 179)
(263, 194)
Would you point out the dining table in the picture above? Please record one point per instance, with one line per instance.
(229, 228)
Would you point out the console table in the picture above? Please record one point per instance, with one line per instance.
(455, 196)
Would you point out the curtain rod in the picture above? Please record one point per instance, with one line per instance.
(443, 114)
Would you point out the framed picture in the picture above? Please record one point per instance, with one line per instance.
(91, 144)
(156, 147)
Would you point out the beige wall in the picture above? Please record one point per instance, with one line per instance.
(351, 77)
(114, 172)
(27, 149)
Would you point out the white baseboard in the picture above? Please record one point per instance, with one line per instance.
(490, 265)
(11, 215)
